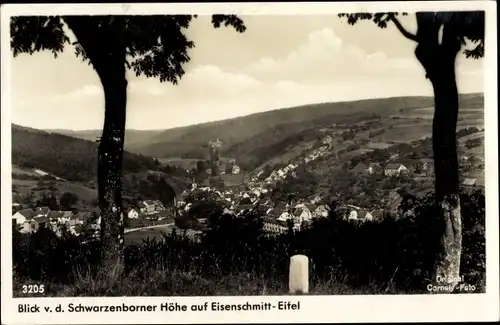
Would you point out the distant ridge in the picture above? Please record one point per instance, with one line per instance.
(241, 135)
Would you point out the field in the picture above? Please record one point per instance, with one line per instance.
(377, 145)
(404, 133)
(355, 153)
(471, 136)
(185, 163)
(23, 186)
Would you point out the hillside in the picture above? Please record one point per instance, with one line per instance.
(243, 135)
(188, 141)
(255, 139)
(131, 136)
(64, 156)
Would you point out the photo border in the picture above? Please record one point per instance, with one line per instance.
(360, 308)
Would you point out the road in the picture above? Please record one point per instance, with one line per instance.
(165, 225)
(157, 230)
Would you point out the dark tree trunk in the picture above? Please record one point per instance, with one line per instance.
(104, 47)
(438, 59)
(110, 158)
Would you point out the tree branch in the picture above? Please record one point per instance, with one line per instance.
(403, 31)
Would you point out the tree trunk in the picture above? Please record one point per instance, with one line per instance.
(438, 59)
(110, 158)
(103, 44)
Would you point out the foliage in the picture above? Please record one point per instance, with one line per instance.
(48, 200)
(156, 46)
(469, 26)
(67, 200)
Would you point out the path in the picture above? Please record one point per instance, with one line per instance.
(126, 231)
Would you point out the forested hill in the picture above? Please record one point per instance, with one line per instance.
(66, 157)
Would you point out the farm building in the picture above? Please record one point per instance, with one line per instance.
(394, 169)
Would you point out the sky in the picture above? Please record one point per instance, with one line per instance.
(280, 61)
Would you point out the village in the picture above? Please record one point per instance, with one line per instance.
(256, 193)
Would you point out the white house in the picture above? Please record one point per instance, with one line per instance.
(302, 213)
(394, 169)
(133, 214)
(321, 211)
(353, 215)
(22, 215)
(285, 216)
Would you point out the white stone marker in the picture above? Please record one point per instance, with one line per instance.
(299, 274)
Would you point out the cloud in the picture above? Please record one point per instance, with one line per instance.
(324, 68)
(324, 57)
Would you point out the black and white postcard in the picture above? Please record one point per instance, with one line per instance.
(249, 162)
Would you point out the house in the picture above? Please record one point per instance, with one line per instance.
(151, 207)
(133, 214)
(236, 170)
(394, 169)
(301, 213)
(274, 226)
(470, 182)
(285, 216)
(22, 215)
(353, 215)
(55, 216)
(321, 211)
(75, 219)
(42, 211)
(34, 224)
(29, 226)
(66, 215)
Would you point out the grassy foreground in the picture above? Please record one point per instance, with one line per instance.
(393, 256)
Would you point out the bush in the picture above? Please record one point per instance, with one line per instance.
(396, 254)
